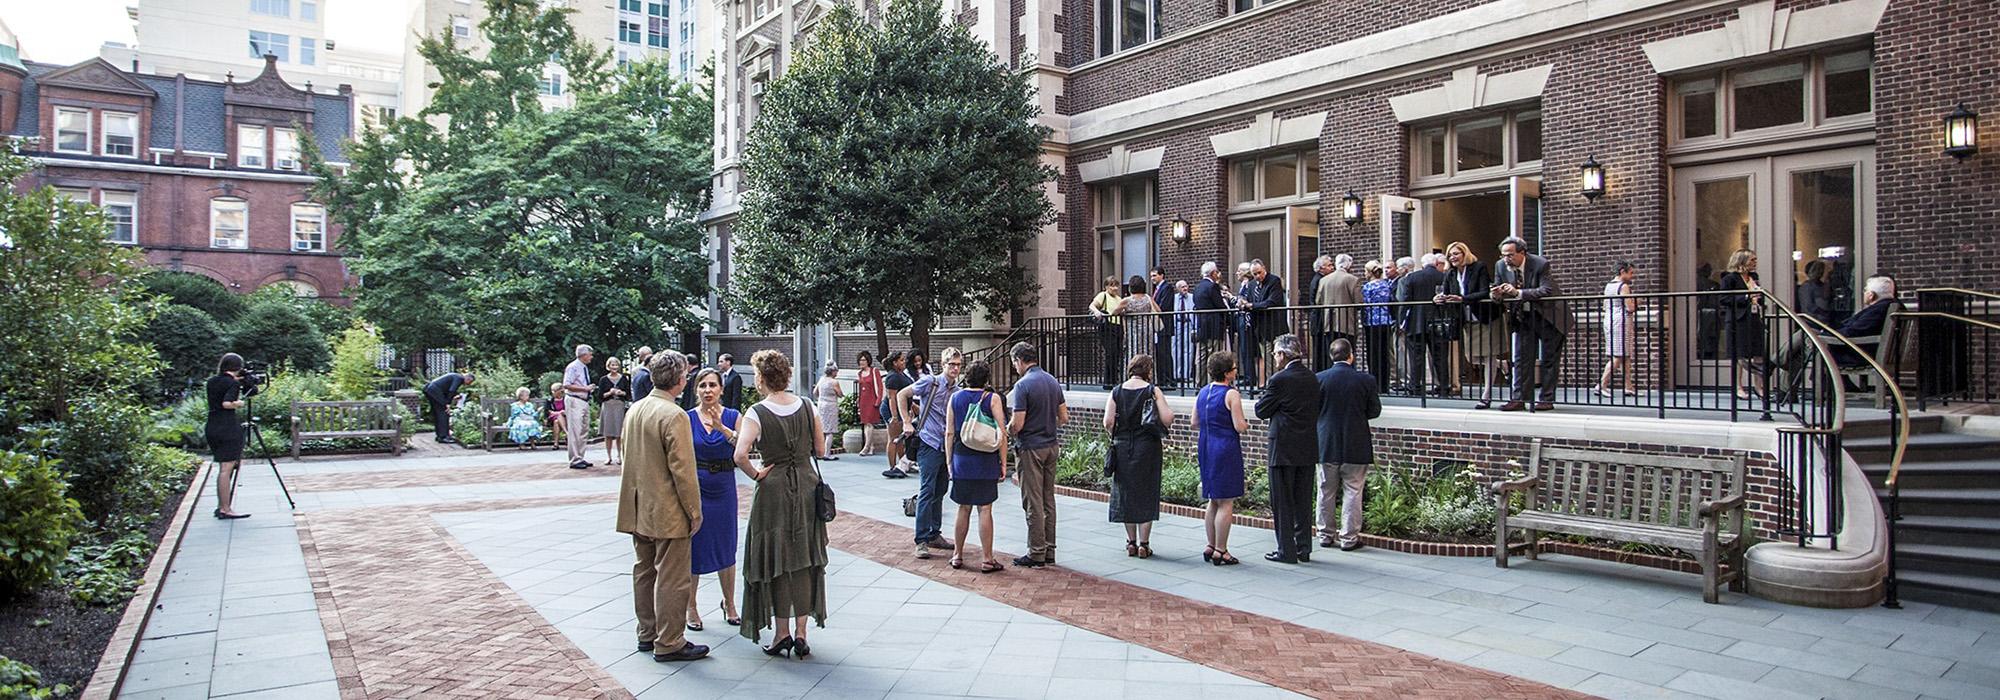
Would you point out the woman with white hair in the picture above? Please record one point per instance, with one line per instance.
(829, 392)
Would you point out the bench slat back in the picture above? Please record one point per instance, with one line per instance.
(1632, 487)
(344, 416)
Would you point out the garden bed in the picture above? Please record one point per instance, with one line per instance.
(63, 638)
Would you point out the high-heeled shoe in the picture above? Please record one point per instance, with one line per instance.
(1208, 553)
(1145, 550)
(733, 621)
(782, 647)
(801, 651)
(1224, 558)
(1131, 548)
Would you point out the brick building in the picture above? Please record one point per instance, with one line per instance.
(205, 177)
(1802, 129)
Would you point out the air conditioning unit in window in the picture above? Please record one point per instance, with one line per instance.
(757, 89)
(287, 164)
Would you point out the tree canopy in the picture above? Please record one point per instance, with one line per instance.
(509, 230)
(893, 174)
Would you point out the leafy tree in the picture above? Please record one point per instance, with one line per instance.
(354, 375)
(194, 290)
(279, 334)
(74, 306)
(516, 231)
(188, 340)
(893, 174)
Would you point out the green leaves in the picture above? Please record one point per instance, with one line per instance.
(892, 174)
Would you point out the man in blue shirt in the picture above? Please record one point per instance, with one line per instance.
(1039, 415)
(935, 392)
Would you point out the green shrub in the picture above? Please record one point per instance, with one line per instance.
(547, 378)
(201, 293)
(1455, 505)
(96, 449)
(181, 424)
(1081, 463)
(189, 342)
(107, 574)
(465, 424)
(1390, 502)
(1180, 480)
(850, 411)
(279, 335)
(19, 681)
(37, 522)
(499, 378)
(354, 375)
(331, 319)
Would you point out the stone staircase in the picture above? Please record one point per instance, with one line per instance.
(1948, 541)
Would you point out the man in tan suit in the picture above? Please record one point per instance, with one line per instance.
(659, 504)
(1341, 287)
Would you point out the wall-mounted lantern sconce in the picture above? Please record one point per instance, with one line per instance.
(1961, 133)
(1593, 178)
(1350, 208)
(1180, 230)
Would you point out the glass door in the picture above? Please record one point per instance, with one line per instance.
(1259, 239)
(1402, 219)
(1715, 213)
(1824, 210)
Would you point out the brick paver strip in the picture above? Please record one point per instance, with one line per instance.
(1294, 657)
(408, 612)
(444, 477)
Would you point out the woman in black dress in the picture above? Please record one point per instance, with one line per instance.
(225, 431)
(1743, 321)
(1135, 453)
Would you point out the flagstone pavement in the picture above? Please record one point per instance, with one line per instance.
(499, 575)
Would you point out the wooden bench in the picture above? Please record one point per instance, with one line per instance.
(493, 417)
(313, 420)
(1668, 501)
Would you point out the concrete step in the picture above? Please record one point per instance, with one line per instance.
(1880, 427)
(1949, 589)
(1926, 447)
(1949, 530)
(1940, 474)
(1963, 503)
(1967, 559)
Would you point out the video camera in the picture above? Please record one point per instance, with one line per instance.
(255, 376)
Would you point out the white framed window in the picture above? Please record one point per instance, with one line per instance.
(274, 8)
(1796, 94)
(121, 134)
(461, 27)
(308, 51)
(631, 5)
(250, 147)
(1126, 24)
(309, 10)
(228, 223)
(1247, 5)
(629, 32)
(308, 228)
(1273, 178)
(121, 211)
(1127, 225)
(551, 85)
(271, 43)
(285, 149)
(72, 130)
(80, 195)
(1476, 146)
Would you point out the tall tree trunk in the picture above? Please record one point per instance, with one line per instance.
(920, 331)
(881, 336)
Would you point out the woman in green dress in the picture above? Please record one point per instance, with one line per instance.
(784, 554)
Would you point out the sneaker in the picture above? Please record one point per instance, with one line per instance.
(579, 464)
(939, 542)
(923, 552)
(1028, 562)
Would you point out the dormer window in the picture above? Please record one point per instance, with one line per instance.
(251, 150)
(72, 131)
(121, 134)
(285, 149)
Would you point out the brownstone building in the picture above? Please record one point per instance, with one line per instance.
(205, 177)
(1802, 129)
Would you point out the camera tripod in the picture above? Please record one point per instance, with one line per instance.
(251, 430)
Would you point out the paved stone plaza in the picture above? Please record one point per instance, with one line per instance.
(499, 575)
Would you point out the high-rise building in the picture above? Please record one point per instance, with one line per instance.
(216, 39)
(631, 29)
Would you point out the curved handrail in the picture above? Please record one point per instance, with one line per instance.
(1839, 420)
(1950, 317)
(1901, 410)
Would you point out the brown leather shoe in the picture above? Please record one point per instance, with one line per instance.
(1514, 406)
(1545, 406)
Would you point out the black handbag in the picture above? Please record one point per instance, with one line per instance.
(823, 504)
(915, 440)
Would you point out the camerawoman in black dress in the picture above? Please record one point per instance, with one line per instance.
(226, 394)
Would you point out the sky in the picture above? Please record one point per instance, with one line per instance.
(69, 31)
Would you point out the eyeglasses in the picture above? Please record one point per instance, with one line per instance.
(954, 364)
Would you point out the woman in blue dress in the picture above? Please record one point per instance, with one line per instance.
(524, 419)
(714, 545)
(975, 474)
(1219, 426)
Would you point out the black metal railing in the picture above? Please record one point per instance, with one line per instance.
(1957, 331)
(1715, 351)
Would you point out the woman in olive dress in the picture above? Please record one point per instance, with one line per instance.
(784, 555)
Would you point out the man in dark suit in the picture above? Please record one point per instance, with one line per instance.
(1347, 401)
(1163, 335)
(732, 383)
(1540, 327)
(1208, 325)
(439, 393)
(1266, 304)
(1422, 337)
(642, 378)
(1291, 401)
(1316, 327)
(1879, 298)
